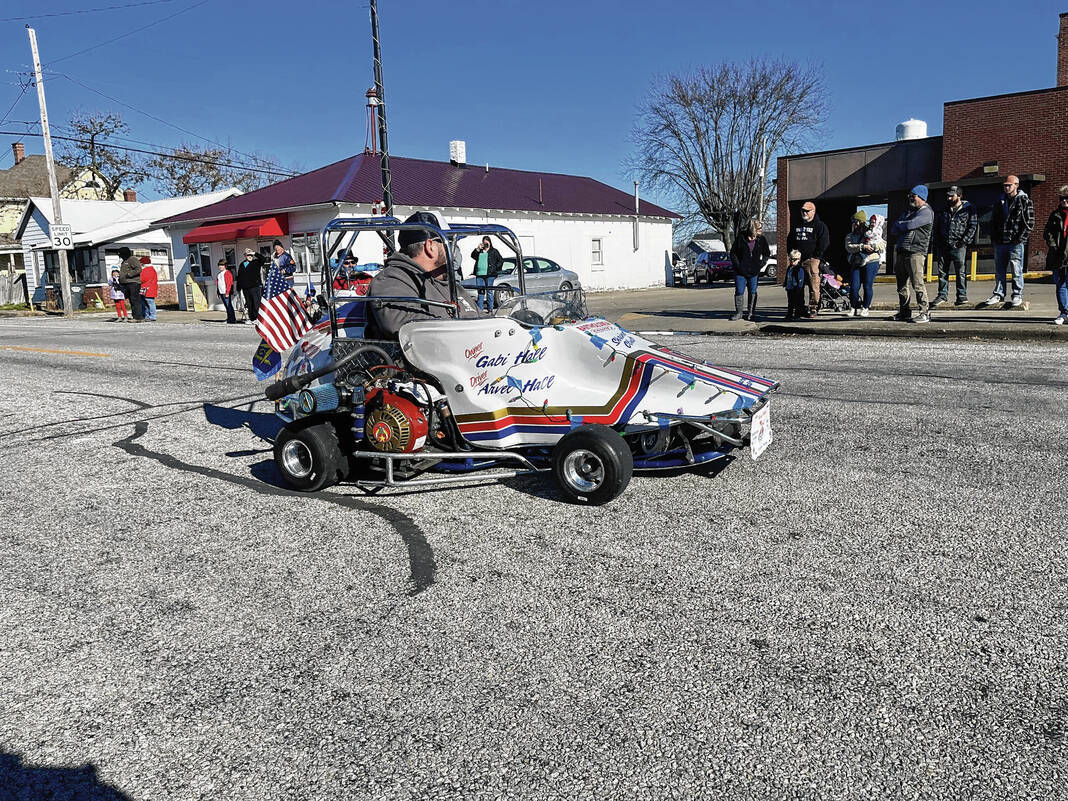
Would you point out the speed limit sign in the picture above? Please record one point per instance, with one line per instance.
(62, 237)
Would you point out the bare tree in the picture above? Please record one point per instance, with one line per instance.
(706, 139)
(191, 170)
(93, 134)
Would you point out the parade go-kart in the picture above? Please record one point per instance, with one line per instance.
(538, 387)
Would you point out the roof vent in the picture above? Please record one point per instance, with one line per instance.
(458, 152)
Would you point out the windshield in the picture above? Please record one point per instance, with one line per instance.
(718, 255)
(546, 308)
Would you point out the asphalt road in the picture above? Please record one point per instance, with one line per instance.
(874, 609)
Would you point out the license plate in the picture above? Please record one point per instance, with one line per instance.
(760, 431)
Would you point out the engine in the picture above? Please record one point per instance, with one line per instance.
(393, 423)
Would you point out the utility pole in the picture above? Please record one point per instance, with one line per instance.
(53, 184)
(387, 183)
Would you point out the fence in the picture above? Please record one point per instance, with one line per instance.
(12, 288)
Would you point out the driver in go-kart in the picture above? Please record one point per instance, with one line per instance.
(417, 269)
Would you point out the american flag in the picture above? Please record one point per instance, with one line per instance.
(282, 319)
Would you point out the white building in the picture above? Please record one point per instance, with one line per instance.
(100, 228)
(610, 238)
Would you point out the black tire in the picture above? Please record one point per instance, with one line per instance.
(504, 292)
(308, 456)
(592, 465)
(566, 286)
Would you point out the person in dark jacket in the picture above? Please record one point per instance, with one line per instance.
(1056, 238)
(130, 278)
(913, 232)
(955, 229)
(1010, 226)
(749, 254)
(811, 238)
(250, 283)
(488, 263)
(417, 270)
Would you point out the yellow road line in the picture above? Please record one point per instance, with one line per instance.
(62, 352)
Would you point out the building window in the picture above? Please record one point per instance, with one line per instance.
(305, 251)
(597, 253)
(200, 261)
(161, 260)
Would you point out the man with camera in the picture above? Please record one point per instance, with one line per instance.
(488, 263)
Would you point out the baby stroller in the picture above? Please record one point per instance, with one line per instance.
(834, 296)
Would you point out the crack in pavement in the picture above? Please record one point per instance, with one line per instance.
(421, 561)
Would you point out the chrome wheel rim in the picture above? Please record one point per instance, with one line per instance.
(297, 459)
(583, 470)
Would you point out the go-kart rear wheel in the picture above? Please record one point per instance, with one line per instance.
(308, 456)
(592, 465)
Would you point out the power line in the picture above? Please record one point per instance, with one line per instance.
(84, 11)
(172, 155)
(129, 33)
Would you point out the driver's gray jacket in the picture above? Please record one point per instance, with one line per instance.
(402, 277)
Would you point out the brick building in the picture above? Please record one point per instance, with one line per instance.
(983, 140)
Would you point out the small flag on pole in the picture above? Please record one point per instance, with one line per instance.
(266, 361)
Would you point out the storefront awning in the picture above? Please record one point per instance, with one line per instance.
(232, 230)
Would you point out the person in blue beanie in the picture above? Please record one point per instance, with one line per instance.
(913, 232)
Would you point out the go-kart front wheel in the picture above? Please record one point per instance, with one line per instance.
(309, 457)
(592, 465)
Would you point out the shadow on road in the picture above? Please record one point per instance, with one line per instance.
(22, 782)
(263, 424)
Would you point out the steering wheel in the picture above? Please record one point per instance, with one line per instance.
(527, 316)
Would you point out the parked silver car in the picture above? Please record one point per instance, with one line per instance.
(540, 275)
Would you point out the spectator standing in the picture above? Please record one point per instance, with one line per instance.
(224, 282)
(1056, 236)
(811, 238)
(149, 288)
(488, 263)
(913, 232)
(130, 278)
(284, 262)
(863, 244)
(1010, 226)
(794, 285)
(250, 283)
(749, 254)
(955, 229)
(118, 298)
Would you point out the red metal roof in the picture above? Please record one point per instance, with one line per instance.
(441, 184)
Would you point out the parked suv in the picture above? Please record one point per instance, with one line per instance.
(714, 266)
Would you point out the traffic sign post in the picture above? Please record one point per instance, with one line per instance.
(62, 237)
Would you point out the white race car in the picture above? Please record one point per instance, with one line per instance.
(540, 387)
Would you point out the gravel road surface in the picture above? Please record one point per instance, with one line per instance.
(876, 609)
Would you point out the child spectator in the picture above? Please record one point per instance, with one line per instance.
(795, 287)
(118, 297)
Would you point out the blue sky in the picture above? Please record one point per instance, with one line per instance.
(530, 85)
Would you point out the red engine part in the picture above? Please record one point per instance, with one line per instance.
(394, 424)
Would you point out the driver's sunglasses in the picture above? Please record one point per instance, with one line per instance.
(1064, 199)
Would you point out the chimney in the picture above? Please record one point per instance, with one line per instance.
(458, 152)
(129, 195)
(20, 151)
(1062, 52)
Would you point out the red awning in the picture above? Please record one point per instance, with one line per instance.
(232, 230)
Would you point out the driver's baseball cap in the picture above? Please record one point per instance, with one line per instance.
(413, 235)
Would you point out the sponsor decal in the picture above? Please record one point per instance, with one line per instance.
(623, 338)
(471, 353)
(478, 380)
(596, 325)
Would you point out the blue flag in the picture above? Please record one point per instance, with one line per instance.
(266, 361)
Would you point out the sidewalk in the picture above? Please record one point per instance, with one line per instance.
(705, 310)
